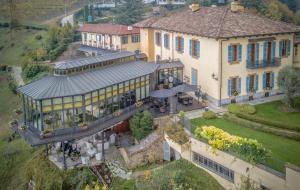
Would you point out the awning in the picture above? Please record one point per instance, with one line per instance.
(185, 88)
(163, 93)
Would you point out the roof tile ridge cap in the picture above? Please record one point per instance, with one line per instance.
(221, 22)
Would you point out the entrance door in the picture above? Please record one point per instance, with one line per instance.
(194, 77)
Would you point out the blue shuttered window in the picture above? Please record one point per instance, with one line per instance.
(248, 84)
(257, 54)
(195, 48)
(240, 52)
(249, 50)
(177, 43)
(229, 87)
(230, 54)
(273, 49)
(166, 41)
(289, 47)
(256, 82)
(198, 48)
(280, 48)
(272, 79)
(265, 51)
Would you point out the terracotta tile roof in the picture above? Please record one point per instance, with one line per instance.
(218, 22)
(113, 29)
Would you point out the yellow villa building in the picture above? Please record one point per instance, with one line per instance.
(111, 36)
(233, 55)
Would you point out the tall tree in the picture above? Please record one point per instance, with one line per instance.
(130, 12)
(289, 83)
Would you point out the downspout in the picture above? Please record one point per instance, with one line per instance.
(221, 71)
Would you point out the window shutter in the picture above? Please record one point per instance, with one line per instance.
(265, 50)
(191, 47)
(280, 48)
(264, 81)
(198, 48)
(289, 47)
(272, 79)
(256, 82)
(182, 44)
(273, 49)
(249, 47)
(229, 54)
(248, 84)
(176, 43)
(240, 52)
(229, 87)
(239, 85)
(257, 54)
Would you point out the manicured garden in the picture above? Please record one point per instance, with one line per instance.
(274, 111)
(179, 175)
(282, 149)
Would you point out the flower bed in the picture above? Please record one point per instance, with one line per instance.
(249, 149)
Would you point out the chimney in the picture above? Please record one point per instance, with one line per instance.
(129, 28)
(236, 6)
(195, 7)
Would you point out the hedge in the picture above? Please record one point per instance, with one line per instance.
(209, 115)
(268, 122)
(241, 108)
(262, 127)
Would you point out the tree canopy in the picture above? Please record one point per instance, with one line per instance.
(130, 12)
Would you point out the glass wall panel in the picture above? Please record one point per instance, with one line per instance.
(108, 92)
(132, 84)
(88, 99)
(57, 103)
(121, 88)
(95, 96)
(102, 94)
(68, 102)
(115, 90)
(77, 101)
(138, 94)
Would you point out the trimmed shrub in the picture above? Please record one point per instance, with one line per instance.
(241, 108)
(271, 123)
(209, 115)
(249, 149)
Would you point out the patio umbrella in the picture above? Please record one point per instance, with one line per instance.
(163, 93)
(185, 88)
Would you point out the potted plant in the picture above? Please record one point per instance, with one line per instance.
(18, 111)
(23, 127)
(83, 125)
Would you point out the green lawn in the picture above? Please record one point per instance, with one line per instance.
(282, 149)
(178, 172)
(13, 155)
(12, 52)
(273, 112)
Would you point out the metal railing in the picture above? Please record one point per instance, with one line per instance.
(275, 62)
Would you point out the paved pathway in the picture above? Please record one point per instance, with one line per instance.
(17, 73)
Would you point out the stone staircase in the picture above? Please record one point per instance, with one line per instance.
(103, 173)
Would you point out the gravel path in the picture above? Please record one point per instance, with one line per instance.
(17, 71)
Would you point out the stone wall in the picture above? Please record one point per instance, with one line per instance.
(259, 174)
(149, 150)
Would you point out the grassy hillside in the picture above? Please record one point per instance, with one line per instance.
(37, 11)
(23, 40)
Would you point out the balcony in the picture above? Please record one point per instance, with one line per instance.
(276, 62)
